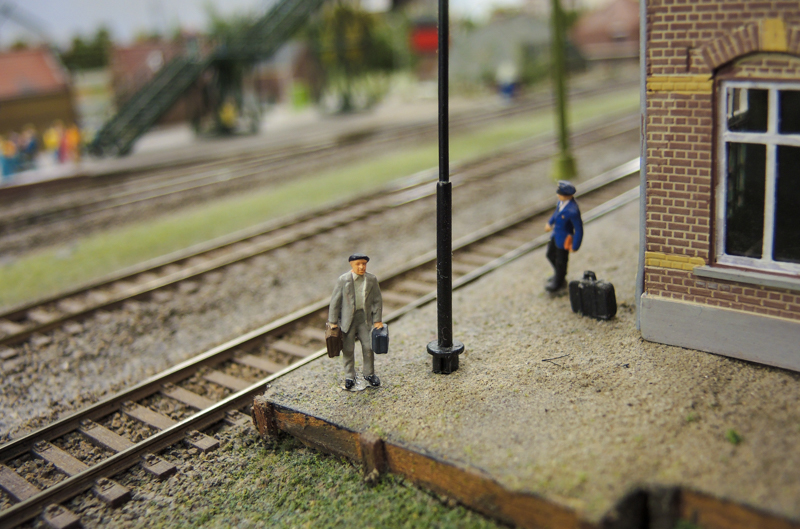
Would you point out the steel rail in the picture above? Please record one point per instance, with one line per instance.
(409, 190)
(189, 180)
(179, 372)
(123, 460)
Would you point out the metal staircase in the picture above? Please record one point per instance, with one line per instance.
(137, 115)
(270, 32)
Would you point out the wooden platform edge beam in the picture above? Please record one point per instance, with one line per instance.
(472, 489)
(709, 512)
(477, 491)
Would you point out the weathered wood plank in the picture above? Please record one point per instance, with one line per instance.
(259, 363)
(106, 490)
(226, 381)
(201, 441)
(712, 513)
(63, 461)
(292, 349)
(158, 467)
(111, 492)
(314, 334)
(147, 416)
(417, 287)
(493, 250)
(462, 268)
(469, 487)
(474, 258)
(397, 297)
(15, 485)
(190, 398)
(58, 517)
(102, 436)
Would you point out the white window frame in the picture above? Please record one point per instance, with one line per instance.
(771, 138)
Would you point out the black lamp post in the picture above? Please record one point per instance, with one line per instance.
(444, 350)
(564, 163)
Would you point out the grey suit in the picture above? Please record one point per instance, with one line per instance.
(356, 324)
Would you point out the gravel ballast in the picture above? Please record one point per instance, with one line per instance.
(119, 348)
(611, 413)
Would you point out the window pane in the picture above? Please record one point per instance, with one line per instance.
(787, 206)
(744, 216)
(789, 112)
(747, 109)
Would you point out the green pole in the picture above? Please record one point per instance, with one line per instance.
(564, 164)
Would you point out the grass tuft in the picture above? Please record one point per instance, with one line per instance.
(292, 486)
(733, 437)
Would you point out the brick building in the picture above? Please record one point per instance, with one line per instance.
(720, 259)
(132, 67)
(35, 89)
(610, 33)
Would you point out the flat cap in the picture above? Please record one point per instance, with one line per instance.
(358, 256)
(565, 188)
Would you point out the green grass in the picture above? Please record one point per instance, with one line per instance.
(293, 487)
(733, 437)
(54, 269)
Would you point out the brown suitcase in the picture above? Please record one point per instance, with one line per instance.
(333, 340)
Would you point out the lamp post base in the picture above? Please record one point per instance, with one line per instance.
(445, 359)
(563, 167)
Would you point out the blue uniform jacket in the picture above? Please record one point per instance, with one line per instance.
(567, 222)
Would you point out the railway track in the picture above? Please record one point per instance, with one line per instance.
(106, 198)
(217, 386)
(158, 278)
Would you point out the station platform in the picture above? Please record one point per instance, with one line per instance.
(282, 127)
(560, 421)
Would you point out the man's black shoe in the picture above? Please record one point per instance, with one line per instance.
(373, 380)
(554, 286)
(349, 383)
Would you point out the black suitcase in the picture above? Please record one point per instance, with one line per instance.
(593, 298)
(380, 340)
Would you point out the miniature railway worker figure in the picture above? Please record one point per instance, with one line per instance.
(567, 228)
(356, 305)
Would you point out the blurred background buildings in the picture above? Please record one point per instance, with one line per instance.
(49, 81)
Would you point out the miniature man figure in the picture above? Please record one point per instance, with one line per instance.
(357, 303)
(567, 228)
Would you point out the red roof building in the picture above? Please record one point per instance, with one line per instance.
(35, 88)
(133, 66)
(608, 33)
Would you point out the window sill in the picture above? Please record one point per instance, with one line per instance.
(747, 276)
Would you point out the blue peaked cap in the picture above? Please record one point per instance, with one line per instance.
(565, 188)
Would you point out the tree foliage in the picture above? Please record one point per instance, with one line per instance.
(349, 40)
(350, 44)
(223, 29)
(89, 54)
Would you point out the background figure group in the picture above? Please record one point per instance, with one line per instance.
(357, 306)
(567, 228)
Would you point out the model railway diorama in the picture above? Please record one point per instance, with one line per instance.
(516, 381)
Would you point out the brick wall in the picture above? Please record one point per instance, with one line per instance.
(765, 66)
(678, 29)
(685, 286)
(690, 44)
(679, 129)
